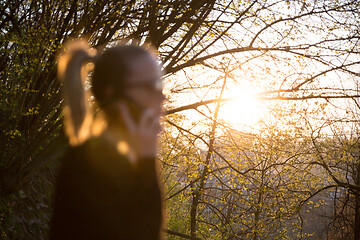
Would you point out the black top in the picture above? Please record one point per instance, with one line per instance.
(99, 195)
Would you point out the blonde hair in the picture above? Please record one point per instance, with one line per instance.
(72, 73)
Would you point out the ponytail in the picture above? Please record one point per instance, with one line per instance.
(72, 74)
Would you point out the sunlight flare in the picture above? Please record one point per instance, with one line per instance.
(244, 109)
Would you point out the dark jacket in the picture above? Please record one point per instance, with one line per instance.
(99, 195)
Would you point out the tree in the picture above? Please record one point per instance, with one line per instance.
(336, 153)
(271, 43)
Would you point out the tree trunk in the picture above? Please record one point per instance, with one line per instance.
(197, 192)
(357, 217)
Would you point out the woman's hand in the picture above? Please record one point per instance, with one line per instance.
(143, 134)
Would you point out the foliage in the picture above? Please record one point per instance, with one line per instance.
(244, 185)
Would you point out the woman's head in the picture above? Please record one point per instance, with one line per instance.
(127, 74)
(112, 68)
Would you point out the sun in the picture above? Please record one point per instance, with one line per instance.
(245, 110)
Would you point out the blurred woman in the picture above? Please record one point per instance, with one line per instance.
(107, 186)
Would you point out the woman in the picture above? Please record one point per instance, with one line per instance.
(107, 186)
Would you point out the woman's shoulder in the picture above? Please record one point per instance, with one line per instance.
(91, 145)
(82, 154)
(96, 152)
